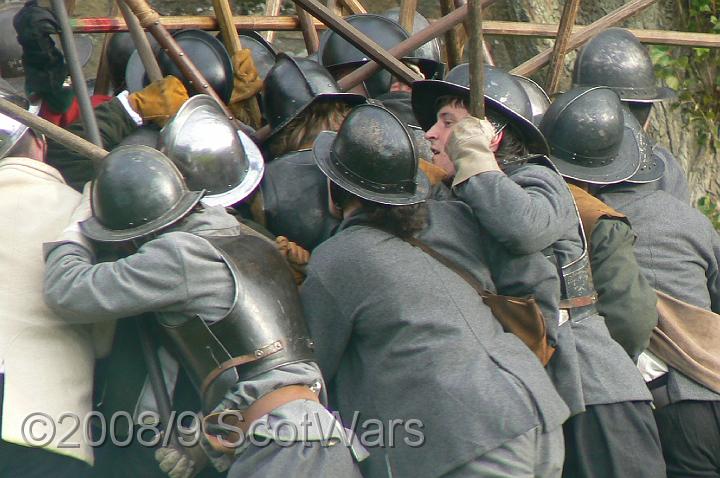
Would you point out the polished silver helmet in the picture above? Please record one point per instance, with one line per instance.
(211, 153)
(12, 130)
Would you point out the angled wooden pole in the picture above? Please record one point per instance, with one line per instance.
(557, 60)
(141, 42)
(87, 113)
(359, 40)
(102, 77)
(406, 17)
(475, 54)
(437, 28)
(453, 55)
(272, 9)
(355, 7)
(310, 34)
(578, 39)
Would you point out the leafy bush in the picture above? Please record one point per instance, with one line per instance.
(709, 206)
(695, 75)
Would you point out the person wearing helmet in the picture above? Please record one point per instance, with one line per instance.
(615, 58)
(300, 100)
(396, 329)
(46, 366)
(678, 251)
(616, 143)
(225, 301)
(499, 174)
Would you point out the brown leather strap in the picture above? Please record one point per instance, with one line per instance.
(258, 354)
(592, 209)
(259, 408)
(469, 278)
(575, 302)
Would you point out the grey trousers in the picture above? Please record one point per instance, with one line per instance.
(532, 455)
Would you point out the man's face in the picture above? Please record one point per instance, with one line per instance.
(438, 135)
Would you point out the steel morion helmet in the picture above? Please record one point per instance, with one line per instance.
(211, 153)
(503, 96)
(336, 53)
(293, 84)
(373, 156)
(137, 191)
(615, 58)
(210, 57)
(539, 101)
(12, 130)
(588, 136)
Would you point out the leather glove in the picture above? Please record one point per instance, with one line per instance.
(435, 174)
(296, 256)
(44, 64)
(174, 463)
(469, 148)
(246, 84)
(160, 100)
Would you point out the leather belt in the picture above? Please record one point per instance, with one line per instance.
(659, 391)
(235, 419)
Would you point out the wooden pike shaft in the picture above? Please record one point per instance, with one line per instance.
(654, 37)
(403, 48)
(51, 130)
(358, 39)
(452, 43)
(557, 60)
(406, 18)
(87, 113)
(477, 73)
(310, 35)
(141, 43)
(579, 38)
(230, 36)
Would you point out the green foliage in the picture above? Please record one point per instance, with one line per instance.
(695, 74)
(709, 206)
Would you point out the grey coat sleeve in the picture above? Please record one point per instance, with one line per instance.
(625, 299)
(526, 212)
(328, 326)
(82, 292)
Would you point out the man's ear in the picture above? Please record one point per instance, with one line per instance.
(495, 143)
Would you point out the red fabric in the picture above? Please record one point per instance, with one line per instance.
(73, 112)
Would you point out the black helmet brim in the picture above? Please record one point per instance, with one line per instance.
(322, 151)
(626, 164)
(350, 99)
(93, 229)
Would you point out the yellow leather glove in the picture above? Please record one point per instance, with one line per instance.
(246, 84)
(296, 256)
(160, 100)
(435, 174)
(469, 148)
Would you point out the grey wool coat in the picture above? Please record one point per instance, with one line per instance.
(674, 180)
(623, 291)
(401, 337)
(179, 275)
(679, 253)
(528, 210)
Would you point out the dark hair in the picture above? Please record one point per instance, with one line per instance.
(401, 221)
(512, 146)
(302, 131)
(451, 100)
